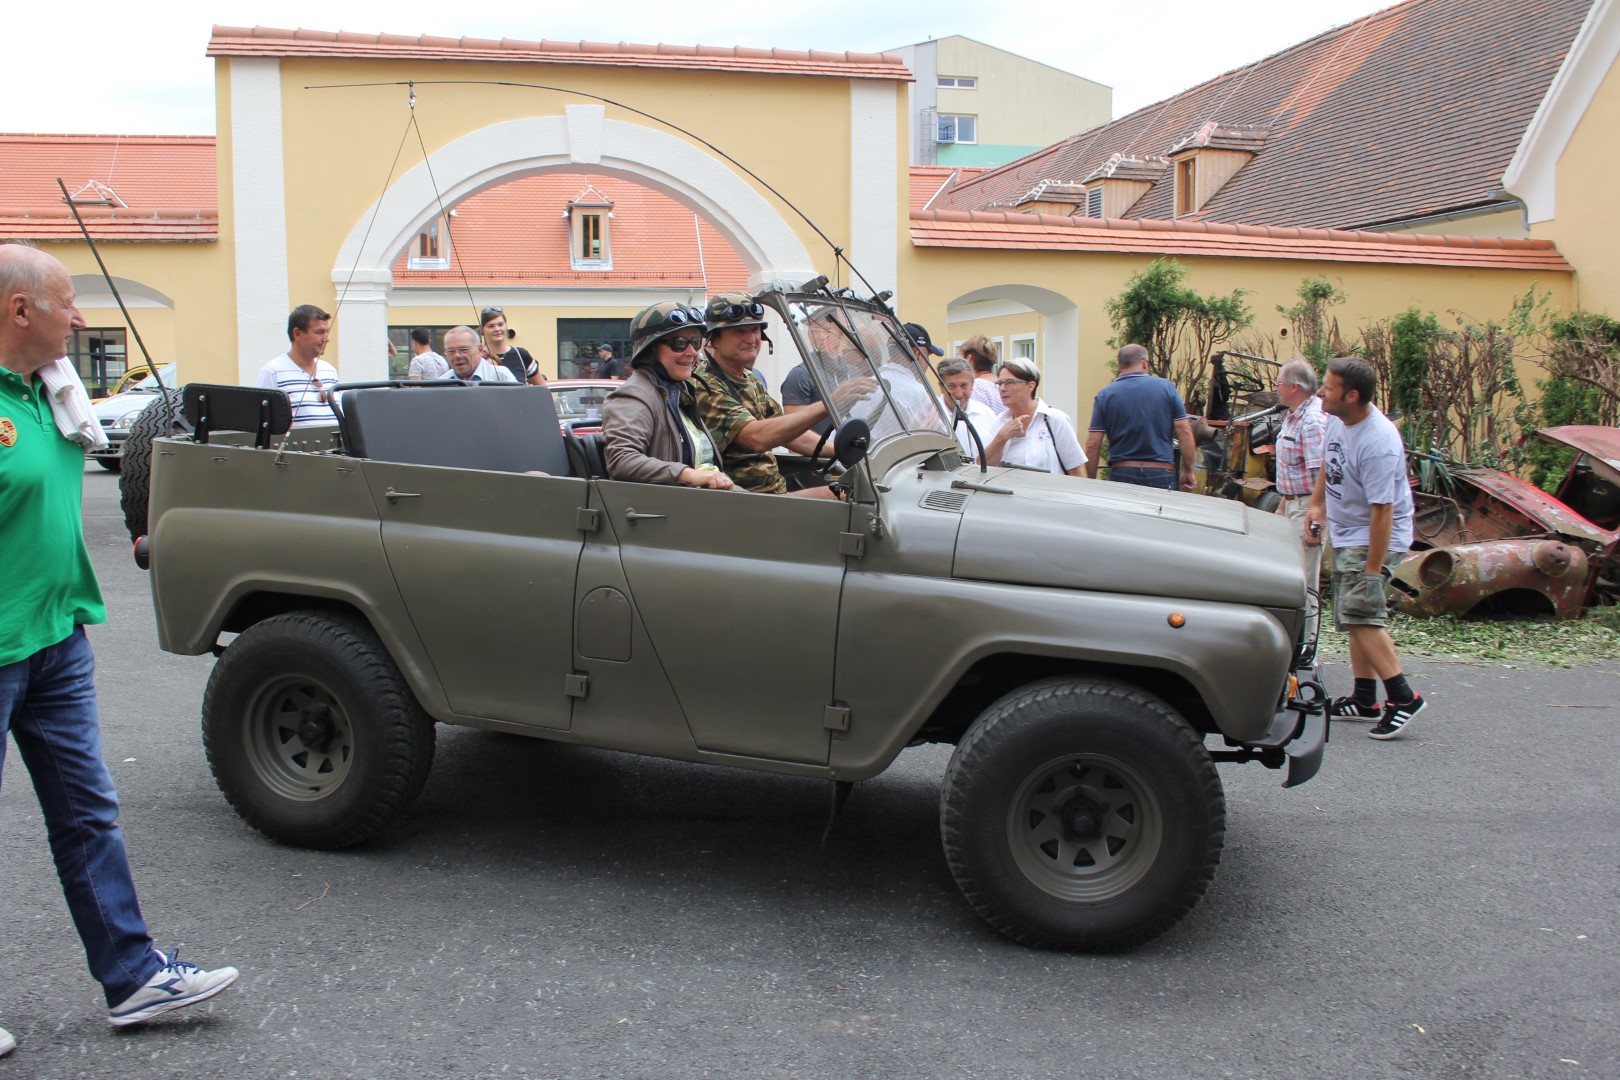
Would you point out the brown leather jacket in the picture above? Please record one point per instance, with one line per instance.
(641, 442)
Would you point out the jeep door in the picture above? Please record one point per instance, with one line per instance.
(739, 596)
(486, 563)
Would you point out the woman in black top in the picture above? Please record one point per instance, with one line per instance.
(516, 358)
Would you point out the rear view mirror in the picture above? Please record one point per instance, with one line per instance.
(849, 447)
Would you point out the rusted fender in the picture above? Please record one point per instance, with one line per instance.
(1452, 580)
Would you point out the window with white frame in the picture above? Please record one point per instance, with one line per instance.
(431, 248)
(1023, 347)
(958, 129)
(959, 82)
(589, 231)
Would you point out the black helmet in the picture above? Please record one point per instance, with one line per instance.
(730, 309)
(660, 321)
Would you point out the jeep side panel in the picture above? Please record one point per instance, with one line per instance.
(231, 522)
(739, 594)
(1235, 657)
(486, 563)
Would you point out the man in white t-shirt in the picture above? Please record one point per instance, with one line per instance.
(957, 375)
(300, 373)
(1363, 496)
(467, 364)
(425, 363)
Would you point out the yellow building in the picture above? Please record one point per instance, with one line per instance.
(1255, 180)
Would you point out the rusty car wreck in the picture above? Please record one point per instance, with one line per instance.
(1496, 545)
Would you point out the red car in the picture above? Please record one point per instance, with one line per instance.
(1497, 545)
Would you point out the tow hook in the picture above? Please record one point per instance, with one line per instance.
(143, 553)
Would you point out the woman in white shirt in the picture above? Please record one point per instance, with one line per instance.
(1032, 433)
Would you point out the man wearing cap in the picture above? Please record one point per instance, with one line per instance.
(609, 366)
(746, 422)
(1143, 419)
(497, 342)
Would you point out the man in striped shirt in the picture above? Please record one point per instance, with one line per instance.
(300, 373)
(1299, 458)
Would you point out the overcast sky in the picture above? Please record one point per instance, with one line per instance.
(103, 67)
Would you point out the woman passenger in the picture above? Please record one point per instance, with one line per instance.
(1032, 433)
(651, 430)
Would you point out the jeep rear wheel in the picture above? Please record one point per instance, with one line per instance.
(311, 732)
(1082, 815)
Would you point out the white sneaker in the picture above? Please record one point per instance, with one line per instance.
(7, 1043)
(176, 985)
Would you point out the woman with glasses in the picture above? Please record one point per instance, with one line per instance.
(1032, 433)
(651, 430)
(498, 345)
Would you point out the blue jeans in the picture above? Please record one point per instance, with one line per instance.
(1153, 478)
(48, 703)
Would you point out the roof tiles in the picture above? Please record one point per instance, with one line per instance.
(517, 234)
(166, 183)
(1047, 232)
(268, 41)
(1409, 112)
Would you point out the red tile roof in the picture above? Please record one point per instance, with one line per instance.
(267, 41)
(516, 234)
(1047, 232)
(1411, 111)
(166, 183)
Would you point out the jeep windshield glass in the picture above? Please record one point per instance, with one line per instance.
(868, 370)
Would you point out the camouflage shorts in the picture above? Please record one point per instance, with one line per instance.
(1359, 597)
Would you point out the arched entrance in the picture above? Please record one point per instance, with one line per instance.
(582, 137)
(1029, 309)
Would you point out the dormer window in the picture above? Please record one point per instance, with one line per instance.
(590, 218)
(1207, 159)
(1187, 185)
(431, 248)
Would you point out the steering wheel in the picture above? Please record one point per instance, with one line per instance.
(831, 458)
(1243, 383)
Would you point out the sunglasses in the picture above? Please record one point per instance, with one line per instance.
(734, 312)
(490, 312)
(682, 343)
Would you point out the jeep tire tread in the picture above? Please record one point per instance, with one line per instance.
(135, 471)
(1082, 814)
(312, 733)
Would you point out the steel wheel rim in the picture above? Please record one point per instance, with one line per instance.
(278, 749)
(1085, 828)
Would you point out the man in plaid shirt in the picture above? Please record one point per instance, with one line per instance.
(1299, 458)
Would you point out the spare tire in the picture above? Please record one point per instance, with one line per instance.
(135, 479)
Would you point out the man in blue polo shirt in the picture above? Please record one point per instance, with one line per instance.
(1143, 419)
(47, 673)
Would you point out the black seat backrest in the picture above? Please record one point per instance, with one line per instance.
(498, 428)
(595, 459)
(210, 407)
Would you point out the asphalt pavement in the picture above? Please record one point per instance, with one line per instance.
(1446, 904)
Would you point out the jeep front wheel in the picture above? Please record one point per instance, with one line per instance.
(1082, 815)
(312, 734)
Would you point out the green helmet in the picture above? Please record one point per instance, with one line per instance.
(730, 309)
(660, 321)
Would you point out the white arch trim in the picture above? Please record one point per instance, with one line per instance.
(583, 136)
(1061, 339)
(91, 291)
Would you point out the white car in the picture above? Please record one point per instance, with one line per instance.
(118, 413)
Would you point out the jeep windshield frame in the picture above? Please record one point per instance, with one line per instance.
(864, 366)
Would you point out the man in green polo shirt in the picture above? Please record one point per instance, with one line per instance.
(47, 672)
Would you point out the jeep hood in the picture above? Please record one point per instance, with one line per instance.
(1108, 537)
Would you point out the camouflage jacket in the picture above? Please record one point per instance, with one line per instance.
(726, 408)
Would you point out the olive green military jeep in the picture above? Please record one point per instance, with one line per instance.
(446, 555)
